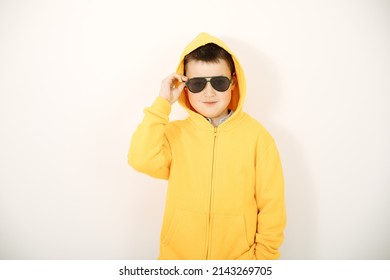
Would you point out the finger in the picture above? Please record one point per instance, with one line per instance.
(179, 78)
(179, 83)
(181, 87)
(183, 78)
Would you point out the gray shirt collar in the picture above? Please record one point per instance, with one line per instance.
(223, 119)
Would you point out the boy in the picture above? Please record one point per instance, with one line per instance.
(225, 197)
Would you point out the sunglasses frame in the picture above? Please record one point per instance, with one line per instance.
(208, 80)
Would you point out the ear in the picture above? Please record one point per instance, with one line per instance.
(234, 81)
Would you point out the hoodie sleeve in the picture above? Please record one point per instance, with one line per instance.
(271, 219)
(149, 150)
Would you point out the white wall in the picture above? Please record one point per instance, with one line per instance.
(76, 75)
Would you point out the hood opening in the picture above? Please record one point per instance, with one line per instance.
(238, 94)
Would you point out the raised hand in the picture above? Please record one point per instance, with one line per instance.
(172, 86)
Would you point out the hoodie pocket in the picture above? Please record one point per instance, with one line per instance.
(185, 237)
(229, 237)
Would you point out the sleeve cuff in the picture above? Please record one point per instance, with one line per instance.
(162, 105)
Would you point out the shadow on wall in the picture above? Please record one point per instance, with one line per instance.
(264, 91)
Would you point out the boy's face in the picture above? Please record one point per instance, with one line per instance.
(210, 102)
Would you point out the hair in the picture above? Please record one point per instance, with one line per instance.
(210, 53)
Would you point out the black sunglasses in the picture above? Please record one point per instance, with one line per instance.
(219, 83)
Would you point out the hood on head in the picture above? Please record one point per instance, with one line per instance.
(238, 95)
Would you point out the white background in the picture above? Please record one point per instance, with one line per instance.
(76, 75)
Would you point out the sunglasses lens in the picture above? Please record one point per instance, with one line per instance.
(220, 83)
(196, 85)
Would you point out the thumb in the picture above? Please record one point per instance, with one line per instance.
(181, 87)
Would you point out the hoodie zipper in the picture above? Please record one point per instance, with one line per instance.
(208, 251)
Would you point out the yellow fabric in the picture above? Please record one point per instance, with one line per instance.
(225, 197)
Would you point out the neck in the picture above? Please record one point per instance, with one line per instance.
(217, 121)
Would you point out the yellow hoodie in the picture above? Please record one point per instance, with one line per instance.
(225, 197)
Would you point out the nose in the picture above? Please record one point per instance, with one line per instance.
(208, 90)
